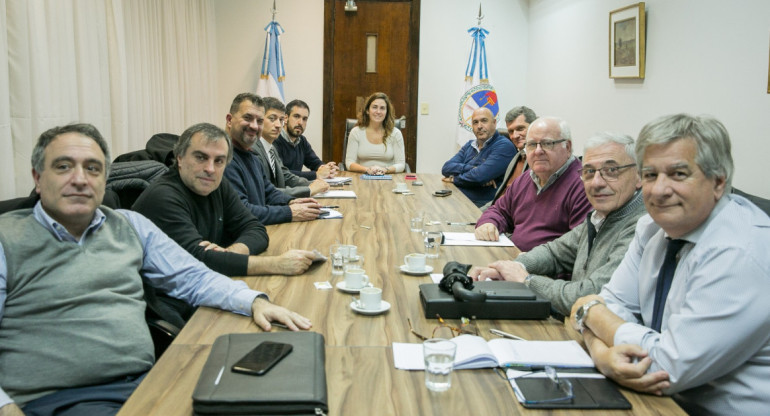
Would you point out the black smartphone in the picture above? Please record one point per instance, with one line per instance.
(262, 358)
(442, 192)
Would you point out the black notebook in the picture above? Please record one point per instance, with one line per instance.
(296, 385)
(589, 393)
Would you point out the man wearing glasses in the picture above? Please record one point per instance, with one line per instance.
(517, 120)
(546, 203)
(686, 312)
(593, 250)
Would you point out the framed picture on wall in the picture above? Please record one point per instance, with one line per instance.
(627, 39)
(768, 76)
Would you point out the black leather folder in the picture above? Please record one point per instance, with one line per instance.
(505, 300)
(296, 385)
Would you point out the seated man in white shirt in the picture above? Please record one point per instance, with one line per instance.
(685, 314)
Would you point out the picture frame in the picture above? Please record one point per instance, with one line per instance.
(768, 74)
(627, 42)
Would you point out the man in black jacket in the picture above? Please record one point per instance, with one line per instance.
(204, 215)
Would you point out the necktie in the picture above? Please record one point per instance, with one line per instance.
(665, 277)
(273, 157)
(591, 228)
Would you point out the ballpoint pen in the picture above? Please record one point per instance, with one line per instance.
(460, 223)
(500, 333)
(330, 206)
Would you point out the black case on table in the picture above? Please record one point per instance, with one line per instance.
(296, 385)
(527, 305)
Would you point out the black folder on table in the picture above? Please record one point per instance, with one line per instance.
(520, 302)
(589, 393)
(296, 385)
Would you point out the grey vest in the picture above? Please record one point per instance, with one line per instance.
(74, 315)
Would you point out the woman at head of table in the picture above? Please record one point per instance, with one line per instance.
(375, 146)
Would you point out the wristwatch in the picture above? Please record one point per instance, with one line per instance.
(527, 280)
(582, 313)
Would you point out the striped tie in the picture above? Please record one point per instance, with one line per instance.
(273, 157)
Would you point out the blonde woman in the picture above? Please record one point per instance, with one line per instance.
(375, 146)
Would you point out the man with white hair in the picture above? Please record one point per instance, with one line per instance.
(686, 312)
(593, 250)
(546, 203)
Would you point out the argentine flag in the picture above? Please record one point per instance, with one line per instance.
(476, 91)
(270, 82)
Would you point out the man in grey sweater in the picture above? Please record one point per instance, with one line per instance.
(73, 336)
(593, 250)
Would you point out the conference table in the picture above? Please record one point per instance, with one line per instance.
(360, 372)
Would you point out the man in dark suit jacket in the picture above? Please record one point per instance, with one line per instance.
(280, 175)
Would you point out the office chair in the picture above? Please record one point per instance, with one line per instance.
(349, 124)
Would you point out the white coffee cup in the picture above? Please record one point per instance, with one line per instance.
(401, 187)
(370, 298)
(415, 262)
(355, 278)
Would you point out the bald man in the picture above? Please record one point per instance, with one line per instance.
(478, 168)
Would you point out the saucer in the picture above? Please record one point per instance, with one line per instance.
(384, 307)
(426, 270)
(341, 286)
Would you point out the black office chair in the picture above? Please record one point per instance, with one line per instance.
(349, 124)
(761, 203)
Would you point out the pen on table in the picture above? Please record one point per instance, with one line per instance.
(330, 206)
(500, 333)
(460, 223)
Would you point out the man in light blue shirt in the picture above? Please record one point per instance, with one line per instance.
(685, 314)
(72, 329)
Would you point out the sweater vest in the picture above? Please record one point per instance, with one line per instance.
(74, 314)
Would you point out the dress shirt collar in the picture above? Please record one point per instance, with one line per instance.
(59, 231)
(285, 137)
(475, 142)
(266, 145)
(553, 177)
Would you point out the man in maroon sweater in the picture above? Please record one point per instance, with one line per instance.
(546, 203)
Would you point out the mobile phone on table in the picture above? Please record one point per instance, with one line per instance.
(443, 192)
(262, 358)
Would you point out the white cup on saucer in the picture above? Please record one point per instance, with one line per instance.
(401, 187)
(415, 262)
(355, 278)
(370, 298)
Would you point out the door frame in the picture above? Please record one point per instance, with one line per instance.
(413, 65)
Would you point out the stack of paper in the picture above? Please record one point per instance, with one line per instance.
(469, 239)
(338, 180)
(335, 194)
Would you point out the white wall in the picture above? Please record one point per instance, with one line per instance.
(703, 57)
(240, 47)
(444, 47)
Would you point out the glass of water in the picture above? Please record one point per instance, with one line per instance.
(416, 223)
(439, 357)
(337, 258)
(432, 243)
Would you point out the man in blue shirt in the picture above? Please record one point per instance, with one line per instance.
(478, 168)
(294, 148)
(72, 330)
(686, 312)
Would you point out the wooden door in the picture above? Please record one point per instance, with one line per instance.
(375, 48)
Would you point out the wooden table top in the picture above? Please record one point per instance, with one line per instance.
(360, 373)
